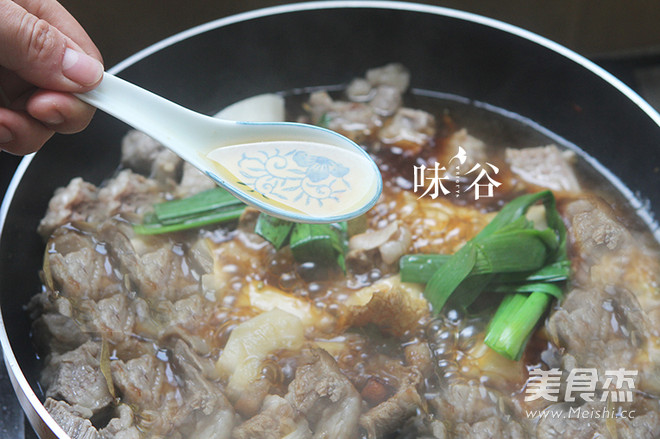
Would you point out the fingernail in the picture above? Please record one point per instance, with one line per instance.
(54, 118)
(6, 135)
(81, 68)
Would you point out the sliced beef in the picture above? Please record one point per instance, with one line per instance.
(393, 413)
(469, 409)
(594, 233)
(604, 322)
(79, 268)
(386, 100)
(357, 120)
(129, 192)
(387, 244)
(122, 426)
(599, 328)
(138, 151)
(475, 152)
(594, 420)
(142, 380)
(372, 100)
(71, 421)
(166, 168)
(208, 413)
(76, 378)
(75, 202)
(409, 130)
(608, 253)
(113, 318)
(54, 328)
(175, 396)
(277, 419)
(164, 273)
(418, 355)
(148, 383)
(54, 332)
(160, 269)
(148, 157)
(360, 90)
(395, 307)
(182, 319)
(545, 166)
(394, 75)
(82, 274)
(322, 393)
(184, 313)
(201, 393)
(493, 427)
(193, 181)
(646, 426)
(466, 402)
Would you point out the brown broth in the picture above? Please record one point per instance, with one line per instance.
(371, 357)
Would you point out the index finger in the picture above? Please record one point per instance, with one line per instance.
(41, 54)
(54, 13)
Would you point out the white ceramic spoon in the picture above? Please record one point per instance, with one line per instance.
(289, 170)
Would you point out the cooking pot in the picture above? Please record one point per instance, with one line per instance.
(449, 52)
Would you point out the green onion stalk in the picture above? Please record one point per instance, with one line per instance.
(510, 257)
(212, 206)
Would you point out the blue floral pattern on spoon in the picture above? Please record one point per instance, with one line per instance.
(294, 176)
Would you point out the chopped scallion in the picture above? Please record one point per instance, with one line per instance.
(202, 203)
(514, 321)
(320, 243)
(274, 230)
(508, 256)
(418, 268)
(205, 208)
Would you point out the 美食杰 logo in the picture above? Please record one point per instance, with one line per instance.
(583, 395)
(616, 386)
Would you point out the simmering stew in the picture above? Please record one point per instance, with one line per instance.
(500, 288)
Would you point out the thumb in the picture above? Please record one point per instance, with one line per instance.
(41, 54)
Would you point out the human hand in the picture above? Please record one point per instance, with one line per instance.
(45, 55)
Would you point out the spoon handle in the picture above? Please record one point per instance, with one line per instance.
(154, 115)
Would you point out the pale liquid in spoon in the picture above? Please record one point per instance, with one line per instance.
(313, 178)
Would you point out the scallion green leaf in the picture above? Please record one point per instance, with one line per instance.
(321, 243)
(229, 214)
(209, 200)
(556, 272)
(450, 275)
(513, 251)
(205, 208)
(508, 256)
(274, 230)
(541, 287)
(419, 268)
